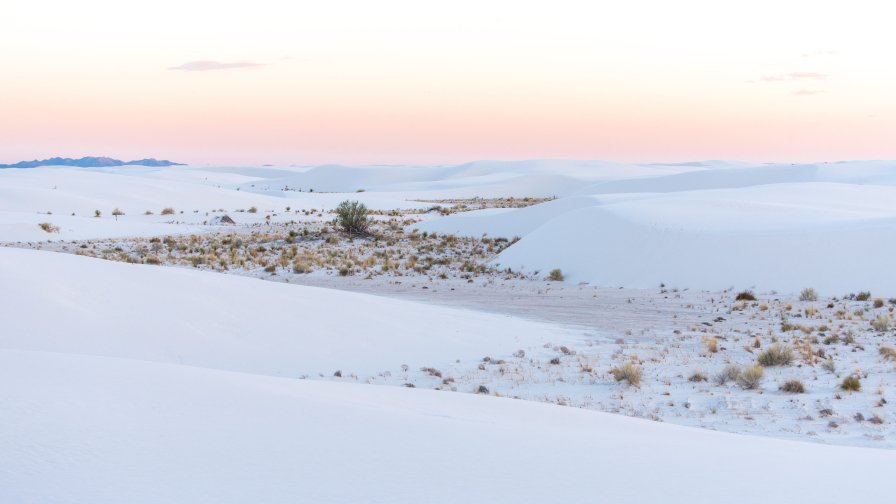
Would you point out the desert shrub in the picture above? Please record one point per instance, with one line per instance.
(97, 213)
(730, 373)
(746, 295)
(878, 303)
(750, 377)
(167, 211)
(808, 294)
(712, 344)
(153, 260)
(352, 217)
(887, 352)
(697, 376)
(851, 383)
(882, 322)
(50, 228)
(116, 212)
(778, 354)
(863, 296)
(628, 372)
(792, 387)
(252, 210)
(270, 269)
(556, 275)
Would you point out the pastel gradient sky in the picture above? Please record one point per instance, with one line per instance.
(445, 82)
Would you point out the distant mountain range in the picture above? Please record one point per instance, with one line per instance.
(90, 162)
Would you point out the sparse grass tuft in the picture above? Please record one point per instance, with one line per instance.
(778, 354)
(851, 383)
(730, 373)
(882, 322)
(750, 377)
(50, 228)
(887, 352)
(746, 295)
(556, 275)
(792, 387)
(628, 372)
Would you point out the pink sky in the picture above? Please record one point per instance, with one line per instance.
(409, 82)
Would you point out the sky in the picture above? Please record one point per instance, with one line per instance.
(362, 82)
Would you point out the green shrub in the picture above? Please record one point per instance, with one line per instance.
(352, 217)
(863, 296)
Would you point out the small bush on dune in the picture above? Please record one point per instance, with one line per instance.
(50, 228)
(729, 374)
(252, 210)
(887, 352)
(881, 323)
(808, 294)
(863, 296)
(628, 372)
(793, 387)
(352, 217)
(746, 295)
(776, 355)
(556, 275)
(750, 377)
(851, 383)
(878, 303)
(167, 211)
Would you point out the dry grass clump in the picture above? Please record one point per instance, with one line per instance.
(556, 275)
(746, 295)
(882, 322)
(792, 387)
(50, 228)
(750, 377)
(252, 210)
(878, 303)
(778, 354)
(851, 383)
(628, 372)
(697, 376)
(729, 374)
(887, 352)
(808, 294)
(167, 211)
(712, 344)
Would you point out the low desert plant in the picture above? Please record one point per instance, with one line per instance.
(792, 387)
(778, 354)
(730, 373)
(878, 303)
(697, 376)
(252, 210)
(881, 323)
(117, 211)
(556, 275)
(851, 383)
(352, 217)
(887, 352)
(167, 211)
(97, 213)
(746, 295)
(750, 377)
(863, 296)
(712, 344)
(808, 294)
(628, 372)
(50, 228)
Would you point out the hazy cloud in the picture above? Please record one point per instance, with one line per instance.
(792, 76)
(815, 54)
(806, 92)
(198, 66)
